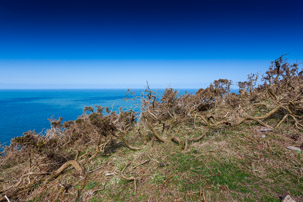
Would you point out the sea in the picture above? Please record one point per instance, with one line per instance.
(24, 110)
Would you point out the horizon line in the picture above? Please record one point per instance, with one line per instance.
(92, 88)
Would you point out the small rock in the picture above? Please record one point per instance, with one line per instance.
(109, 174)
(294, 148)
(264, 130)
(287, 198)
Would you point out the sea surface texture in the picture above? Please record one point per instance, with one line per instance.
(24, 110)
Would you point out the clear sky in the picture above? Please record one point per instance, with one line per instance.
(124, 43)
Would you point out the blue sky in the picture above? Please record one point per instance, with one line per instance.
(124, 73)
(123, 44)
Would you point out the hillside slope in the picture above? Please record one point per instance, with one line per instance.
(210, 146)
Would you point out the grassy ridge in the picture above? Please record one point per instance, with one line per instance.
(210, 146)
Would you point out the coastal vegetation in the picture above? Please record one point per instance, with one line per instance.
(213, 145)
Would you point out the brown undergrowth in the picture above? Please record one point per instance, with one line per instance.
(210, 146)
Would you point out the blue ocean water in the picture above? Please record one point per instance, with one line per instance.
(23, 110)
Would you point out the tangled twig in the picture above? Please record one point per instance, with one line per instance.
(129, 178)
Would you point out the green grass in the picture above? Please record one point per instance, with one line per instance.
(91, 185)
(215, 173)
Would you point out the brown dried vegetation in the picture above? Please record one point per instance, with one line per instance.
(43, 158)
